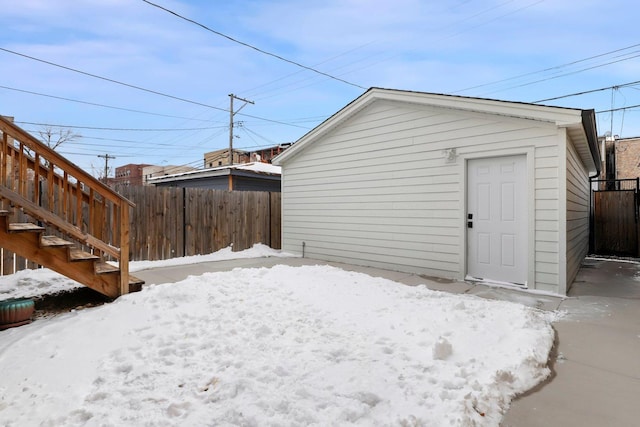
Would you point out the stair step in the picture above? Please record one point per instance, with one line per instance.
(135, 284)
(54, 241)
(17, 227)
(76, 254)
(135, 280)
(105, 268)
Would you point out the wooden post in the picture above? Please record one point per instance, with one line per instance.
(124, 248)
(636, 202)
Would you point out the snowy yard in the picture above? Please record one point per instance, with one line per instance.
(284, 346)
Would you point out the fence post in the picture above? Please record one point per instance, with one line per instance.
(591, 209)
(124, 248)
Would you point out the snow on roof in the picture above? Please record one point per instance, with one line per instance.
(260, 167)
(257, 167)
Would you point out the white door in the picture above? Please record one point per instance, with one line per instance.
(497, 219)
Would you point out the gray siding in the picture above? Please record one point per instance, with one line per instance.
(242, 183)
(377, 190)
(547, 217)
(577, 213)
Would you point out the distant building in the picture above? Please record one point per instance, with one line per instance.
(627, 158)
(217, 158)
(255, 176)
(620, 158)
(265, 155)
(129, 175)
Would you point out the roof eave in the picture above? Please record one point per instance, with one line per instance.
(328, 124)
(589, 125)
(560, 116)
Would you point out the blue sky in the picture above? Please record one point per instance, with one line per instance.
(516, 50)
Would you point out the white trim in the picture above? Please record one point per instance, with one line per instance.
(464, 208)
(514, 287)
(531, 197)
(564, 117)
(497, 283)
(562, 211)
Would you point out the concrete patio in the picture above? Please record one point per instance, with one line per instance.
(596, 359)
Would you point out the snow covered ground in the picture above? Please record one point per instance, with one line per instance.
(35, 283)
(286, 346)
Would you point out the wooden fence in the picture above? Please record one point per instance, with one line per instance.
(174, 222)
(615, 222)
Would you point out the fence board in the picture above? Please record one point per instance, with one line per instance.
(275, 215)
(615, 224)
(170, 222)
(193, 221)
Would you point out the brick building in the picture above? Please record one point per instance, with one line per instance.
(129, 175)
(627, 158)
(621, 158)
(217, 158)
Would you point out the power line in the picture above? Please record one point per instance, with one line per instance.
(273, 121)
(131, 110)
(99, 105)
(157, 146)
(556, 67)
(278, 89)
(85, 154)
(155, 92)
(118, 143)
(121, 129)
(565, 74)
(618, 109)
(455, 24)
(588, 91)
(253, 47)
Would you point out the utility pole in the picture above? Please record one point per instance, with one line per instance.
(106, 165)
(231, 114)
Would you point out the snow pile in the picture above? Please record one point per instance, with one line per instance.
(311, 345)
(258, 250)
(34, 283)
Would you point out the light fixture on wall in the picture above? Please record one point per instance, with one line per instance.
(450, 155)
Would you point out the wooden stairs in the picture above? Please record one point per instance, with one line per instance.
(29, 241)
(58, 216)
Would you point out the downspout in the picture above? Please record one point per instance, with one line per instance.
(184, 221)
(589, 126)
(592, 237)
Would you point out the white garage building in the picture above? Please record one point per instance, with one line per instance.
(446, 186)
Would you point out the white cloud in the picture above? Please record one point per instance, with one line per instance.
(410, 44)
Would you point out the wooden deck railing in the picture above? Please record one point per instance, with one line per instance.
(49, 188)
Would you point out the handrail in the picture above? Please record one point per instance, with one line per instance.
(54, 220)
(50, 154)
(52, 189)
